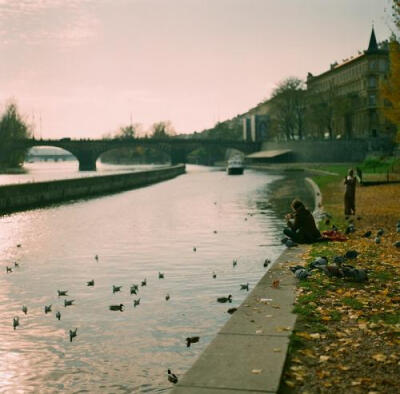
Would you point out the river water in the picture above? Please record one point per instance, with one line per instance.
(136, 234)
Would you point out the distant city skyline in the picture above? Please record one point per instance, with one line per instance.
(84, 68)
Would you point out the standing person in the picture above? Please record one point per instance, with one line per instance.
(302, 229)
(350, 193)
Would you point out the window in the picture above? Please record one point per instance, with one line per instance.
(372, 65)
(383, 65)
(372, 100)
(372, 82)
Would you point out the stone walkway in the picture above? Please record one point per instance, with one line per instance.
(248, 353)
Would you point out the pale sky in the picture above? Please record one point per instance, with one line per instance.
(83, 68)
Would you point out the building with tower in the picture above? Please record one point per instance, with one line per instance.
(351, 89)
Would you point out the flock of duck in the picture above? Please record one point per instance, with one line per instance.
(134, 290)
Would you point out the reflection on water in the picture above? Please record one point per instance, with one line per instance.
(46, 171)
(136, 234)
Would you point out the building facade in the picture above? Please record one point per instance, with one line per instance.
(350, 91)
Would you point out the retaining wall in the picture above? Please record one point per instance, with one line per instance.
(32, 195)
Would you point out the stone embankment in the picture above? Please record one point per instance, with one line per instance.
(32, 195)
(249, 352)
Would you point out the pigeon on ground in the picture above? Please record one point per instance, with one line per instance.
(58, 315)
(339, 260)
(367, 234)
(351, 254)
(290, 243)
(68, 303)
(231, 311)
(90, 283)
(331, 271)
(355, 274)
(377, 240)
(62, 293)
(47, 308)
(24, 309)
(380, 232)
(397, 244)
(244, 287)
(160, 275)
(302, 274)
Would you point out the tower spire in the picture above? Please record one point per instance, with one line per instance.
(373, 46)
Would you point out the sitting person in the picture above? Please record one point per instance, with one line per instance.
(302, 229)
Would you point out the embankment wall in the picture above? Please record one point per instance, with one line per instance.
(18, 197)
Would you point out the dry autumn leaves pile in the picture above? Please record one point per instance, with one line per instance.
(347, 336)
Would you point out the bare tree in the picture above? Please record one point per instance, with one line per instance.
(287, 108)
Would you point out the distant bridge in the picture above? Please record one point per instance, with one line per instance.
(88, 151)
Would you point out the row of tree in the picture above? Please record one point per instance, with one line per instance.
(296, 113)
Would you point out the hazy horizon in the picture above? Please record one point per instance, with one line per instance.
(84, 68)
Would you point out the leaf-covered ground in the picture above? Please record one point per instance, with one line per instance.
(347, 335)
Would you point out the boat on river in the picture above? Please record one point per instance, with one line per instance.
(235, 166)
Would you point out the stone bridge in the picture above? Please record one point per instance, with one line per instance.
(88, 151)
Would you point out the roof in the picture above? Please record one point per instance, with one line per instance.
(268, 154)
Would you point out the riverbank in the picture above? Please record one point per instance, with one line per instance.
(16, 197)
(346, 338)
(249, 352)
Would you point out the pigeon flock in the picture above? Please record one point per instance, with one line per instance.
(340, 266)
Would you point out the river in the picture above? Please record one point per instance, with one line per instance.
(136, 234)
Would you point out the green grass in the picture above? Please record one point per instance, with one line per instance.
(389, 318)
(352, 302)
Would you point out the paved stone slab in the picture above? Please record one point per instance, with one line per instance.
(239, 362)
(254, 338)
(208, 390)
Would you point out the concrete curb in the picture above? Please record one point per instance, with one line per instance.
(249, 352)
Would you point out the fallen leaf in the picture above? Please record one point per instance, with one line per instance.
(322, 359)
(256, 371)
(379, 357)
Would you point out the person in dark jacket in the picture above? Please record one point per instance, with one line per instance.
(350, 194)
(301, 224)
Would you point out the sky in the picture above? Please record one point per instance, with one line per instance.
(85, 68)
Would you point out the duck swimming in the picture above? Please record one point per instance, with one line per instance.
(72, 334)
(172, 377)
(225, 299)
(15, 322)
(115, 289)
(191, 340)
(119, 307)
(136, 302)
